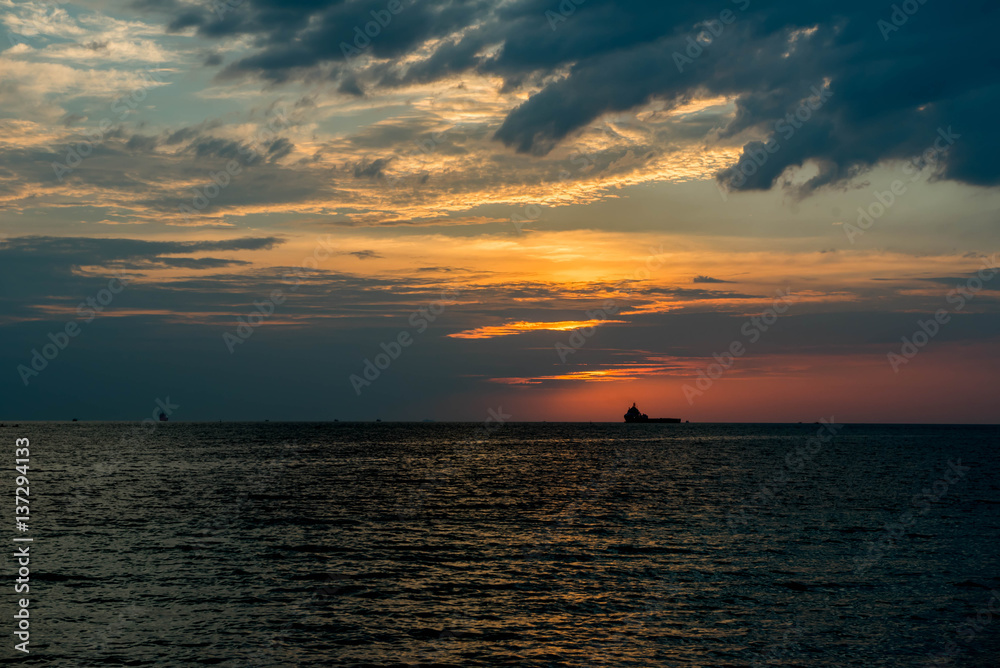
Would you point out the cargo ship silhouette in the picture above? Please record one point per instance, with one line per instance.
(634, 415)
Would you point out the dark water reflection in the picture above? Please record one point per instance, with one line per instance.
(538, 545)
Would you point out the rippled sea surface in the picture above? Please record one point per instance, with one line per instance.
(340, 544)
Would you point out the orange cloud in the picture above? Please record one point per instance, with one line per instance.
(520, 327)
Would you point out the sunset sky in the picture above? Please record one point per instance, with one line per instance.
(552, 210)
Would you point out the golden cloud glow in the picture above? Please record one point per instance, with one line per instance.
(607, 374)
(493, 331)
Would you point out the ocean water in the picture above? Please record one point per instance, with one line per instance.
(340, 544)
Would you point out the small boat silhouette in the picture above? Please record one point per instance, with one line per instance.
(634, 415)
(163, 416)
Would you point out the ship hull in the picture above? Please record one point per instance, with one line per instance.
(657, 420)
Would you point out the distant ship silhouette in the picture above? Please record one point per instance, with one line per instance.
(633, 415)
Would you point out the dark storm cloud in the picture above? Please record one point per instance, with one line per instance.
(38, 270)
(141, 143)
(41, 273)
(440, 269)
(888, 87)
(70, 119)
(709, 279)
(349, 85)
(689, 294)
(278, 149)
(189, 133)
(213, 147)
(370, 169)
(364, 254)
(199, 262)
(959, 281)
(66, 255)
